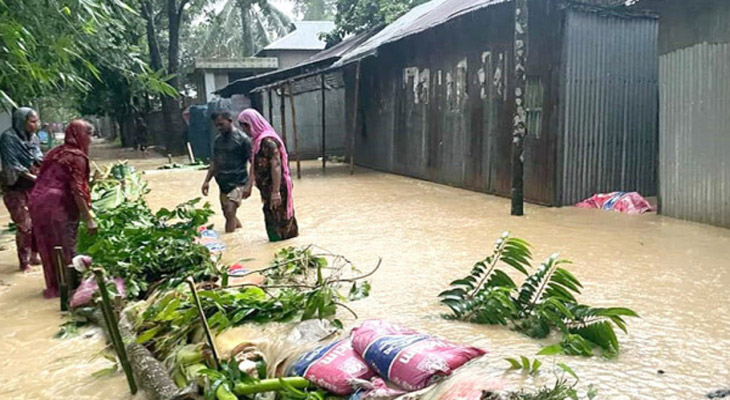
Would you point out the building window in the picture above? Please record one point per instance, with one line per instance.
(533, 105)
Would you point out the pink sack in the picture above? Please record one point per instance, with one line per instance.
(407, 358)
(628, 203)
(85, 292)
(334, 367)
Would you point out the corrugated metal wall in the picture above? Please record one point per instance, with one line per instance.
(437, 106)
(609, 140)
(308, 103)
(695, 133)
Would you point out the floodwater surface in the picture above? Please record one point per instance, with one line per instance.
(675, 274)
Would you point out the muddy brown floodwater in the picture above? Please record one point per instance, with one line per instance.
(675, 274)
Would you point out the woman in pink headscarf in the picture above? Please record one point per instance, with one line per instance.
(270, 171)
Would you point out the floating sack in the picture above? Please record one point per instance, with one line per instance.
(628, 203)
(406, 358)
(334, 367)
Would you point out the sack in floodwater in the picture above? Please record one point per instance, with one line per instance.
(86, 290)
(406, 358)
(377, 389)
(334, 367)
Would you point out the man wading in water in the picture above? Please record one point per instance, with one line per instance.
(231, 153)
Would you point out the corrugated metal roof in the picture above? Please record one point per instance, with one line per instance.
(419, 19)
(305, 37)
(318, 61)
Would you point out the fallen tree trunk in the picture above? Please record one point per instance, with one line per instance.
(149, 373)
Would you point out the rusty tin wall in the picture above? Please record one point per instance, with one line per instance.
(609, 114)
(438, 105)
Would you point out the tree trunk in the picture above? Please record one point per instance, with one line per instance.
(150, 374)
(171, 113)
(149, 15)
(246, 31)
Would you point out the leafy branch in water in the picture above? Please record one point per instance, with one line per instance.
(564, 387)
(141, 246)
(546, 300)
(171, 319)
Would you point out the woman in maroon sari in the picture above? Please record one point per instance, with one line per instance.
(60, 198)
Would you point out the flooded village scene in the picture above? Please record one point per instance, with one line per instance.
(365, 199)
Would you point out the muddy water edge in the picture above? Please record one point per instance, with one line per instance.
(673, 273)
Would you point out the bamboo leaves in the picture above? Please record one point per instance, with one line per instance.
(546, 300)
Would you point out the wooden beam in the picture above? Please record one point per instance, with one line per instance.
(355, 113)
(294, 128)
(282, 108)
(324, 129)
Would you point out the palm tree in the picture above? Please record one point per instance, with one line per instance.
(258, 23)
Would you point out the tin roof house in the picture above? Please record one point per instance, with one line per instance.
(436, 97)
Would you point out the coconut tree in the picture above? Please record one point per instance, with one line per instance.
(242, 28)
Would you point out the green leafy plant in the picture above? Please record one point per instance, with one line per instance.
(565, 386)
(525, 365)
(117, 184)
(171, 319)
(546, 300)
(142, 247)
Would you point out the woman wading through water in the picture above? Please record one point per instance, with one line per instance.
(270, 171)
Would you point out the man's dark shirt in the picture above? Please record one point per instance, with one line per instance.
(231, 152)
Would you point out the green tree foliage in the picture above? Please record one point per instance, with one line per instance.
(315, 10)
(355, 16)
(50, 46)
(240, 29)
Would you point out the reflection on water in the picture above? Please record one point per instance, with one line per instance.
(673, 273)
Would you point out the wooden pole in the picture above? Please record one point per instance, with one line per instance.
(324, 130)
(113, 328)
(519, 121)
(61, 277)
(294, 128)
(201, 313)
(282, 108)
(354, 119)
(271, 108)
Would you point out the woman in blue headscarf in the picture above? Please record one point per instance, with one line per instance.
(20, 157)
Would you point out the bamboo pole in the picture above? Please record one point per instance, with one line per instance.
(354, 119)
(294, 128)
(324, 132)
(61, 277)
(113, 328)
(211, 341)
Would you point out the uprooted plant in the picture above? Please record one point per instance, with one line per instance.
(145, 248)
(171, 320)
(565, 386)
(545, 301)
(116, 184)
